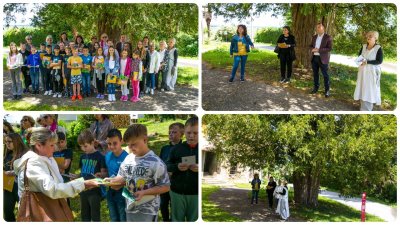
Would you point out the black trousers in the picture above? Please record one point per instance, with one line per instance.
(316, 66)
(57, 84)
(164, 207)
(100, 84)
(9, 201)
(270, 195)
(90, 205)
(27, 77)
(286, 65)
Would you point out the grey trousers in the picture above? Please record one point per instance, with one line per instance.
(366, 106)
(140, 217)
(16, 81)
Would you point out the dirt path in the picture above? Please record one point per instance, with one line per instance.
(220, 95)
(236, 202)
(184, 98)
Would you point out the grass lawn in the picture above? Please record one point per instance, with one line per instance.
(327, 211)
(155, 143)
(210, 211)
(265, 67)
(21, 105)
(188, 76)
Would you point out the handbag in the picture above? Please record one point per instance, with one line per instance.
(276, 50)
(37, 207)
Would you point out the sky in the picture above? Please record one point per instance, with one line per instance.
(24, 19)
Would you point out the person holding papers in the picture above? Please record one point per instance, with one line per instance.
(368, 89)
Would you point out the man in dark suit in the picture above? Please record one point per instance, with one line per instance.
(120, 44)
(320, 48)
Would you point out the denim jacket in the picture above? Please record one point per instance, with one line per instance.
(234, 44)
(114, 71)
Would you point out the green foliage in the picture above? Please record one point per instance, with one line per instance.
(210, 211)
(268, 35)
(225, 33)
(188, 45)
(188, 76)
(18, 35)
(357, 152)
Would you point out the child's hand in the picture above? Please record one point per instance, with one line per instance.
(98, 175)
(89, 184)
(183, 166)
(194, 168)
(139, 195)
(117, 187)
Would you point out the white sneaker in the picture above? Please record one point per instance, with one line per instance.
(109, 98)
(162, 89)
(59, 95)
(152, 91)
(50, 92)
(113, 97)
(55, 95)
(147, 90)
(46, 92)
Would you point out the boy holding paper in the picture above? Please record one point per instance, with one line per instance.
(63, 156)
(183, 163)
(145, 176)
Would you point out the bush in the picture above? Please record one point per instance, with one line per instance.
(225, 34)
(18, 35)
(188, 45)
(268, 35)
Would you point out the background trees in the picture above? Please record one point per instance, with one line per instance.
(351, 153)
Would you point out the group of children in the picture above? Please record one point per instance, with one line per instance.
(70, 70)
(136, 180)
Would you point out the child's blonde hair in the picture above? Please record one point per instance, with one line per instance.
(16, 48)
(85, 137)
(134, 131)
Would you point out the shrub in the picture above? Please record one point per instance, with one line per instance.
(188, 45)
(225, 33)
(268, 35)
(18, 35)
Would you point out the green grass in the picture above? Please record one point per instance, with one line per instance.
(22, 105)
(155, 143)
(210, 211)
(189, 57)
(188, 76)
(265, 67)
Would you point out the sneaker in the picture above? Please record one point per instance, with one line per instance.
(73, 97)
(242, 80)
(230, 80)
(98, 96)
(55, 95)
(50, 92)
(162, 89)
(113, 97)
(59, 95)
(287, 81)
(80, 97)
(46, 93)
(101, 96)
(109, 98)
(152, 91)
(122, 97)
(282, 80)
(147, 90)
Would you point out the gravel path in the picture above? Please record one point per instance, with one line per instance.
(383, 211)
(184, 98)
(236, 202)
(220, 95)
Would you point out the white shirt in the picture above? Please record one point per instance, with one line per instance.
(123, 65)
(318, 43)
(111, 64)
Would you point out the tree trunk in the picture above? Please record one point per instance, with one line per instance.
(104, 25)
(303, 29)
(306, 187)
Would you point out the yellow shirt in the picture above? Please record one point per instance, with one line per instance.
(74, 61)
(241, 49)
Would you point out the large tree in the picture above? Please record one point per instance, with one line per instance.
(346, 22)
(352, 151)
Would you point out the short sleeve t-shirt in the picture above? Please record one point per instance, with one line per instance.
(56, 59)
(74, 61)
(46, 60)
(144, 172)
(113, 162)
(91, 164)
(66, 154)
(87, 60)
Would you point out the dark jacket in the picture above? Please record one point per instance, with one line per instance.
(234, 44)
(183, 182)
(289, 41)
(325, 48)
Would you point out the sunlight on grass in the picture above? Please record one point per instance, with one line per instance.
(188, 76)
(22, 105)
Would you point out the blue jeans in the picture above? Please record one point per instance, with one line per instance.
(151, 80)
(236, 59)
(86, 83)
(254, 196)
(116, 205)
(34, 73)
(111, 88)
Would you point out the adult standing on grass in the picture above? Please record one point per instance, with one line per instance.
(283, 201)
(240, 46)
(321, 47)
(14, 63)
(100, 129)
(39, 168)
(286, 43)
(368, 89)
(270, 191)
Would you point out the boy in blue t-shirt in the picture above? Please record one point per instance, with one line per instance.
(87, 61)
(92, 165)
(114, 158)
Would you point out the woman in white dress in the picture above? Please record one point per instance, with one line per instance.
(282, 194)
(369, 73)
